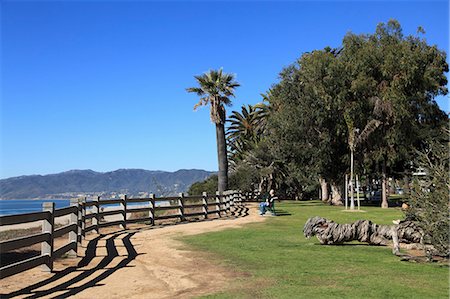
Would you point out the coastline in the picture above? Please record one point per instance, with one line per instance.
(63, 220)
(37, 198)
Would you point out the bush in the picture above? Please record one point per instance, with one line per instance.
(429, 199)
(244, 178)
(210, 186)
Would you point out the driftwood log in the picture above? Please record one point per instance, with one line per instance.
(330, 232)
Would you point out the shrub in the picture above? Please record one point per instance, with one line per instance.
(429, 199)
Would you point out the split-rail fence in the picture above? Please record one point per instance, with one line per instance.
(89, 215)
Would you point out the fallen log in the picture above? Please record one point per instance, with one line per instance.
(330, 232)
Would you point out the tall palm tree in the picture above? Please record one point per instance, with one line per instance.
(215, 89)
(241, 133)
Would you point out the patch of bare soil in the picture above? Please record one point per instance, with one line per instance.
(141, 262)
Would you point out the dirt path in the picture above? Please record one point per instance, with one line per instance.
(137, 263)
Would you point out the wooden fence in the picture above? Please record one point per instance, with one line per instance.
(89, 215)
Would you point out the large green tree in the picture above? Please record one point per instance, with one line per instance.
(307, 129)
(392, 82)
(215, 88)
(372, 97)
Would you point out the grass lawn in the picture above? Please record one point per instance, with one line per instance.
(274, 260)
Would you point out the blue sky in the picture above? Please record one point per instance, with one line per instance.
(101, 85)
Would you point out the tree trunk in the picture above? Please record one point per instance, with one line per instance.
(384, 186)
(222, 158)
(324, 188)
(336, 197)
(352, 189)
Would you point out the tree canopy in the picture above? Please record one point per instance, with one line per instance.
(373, 95)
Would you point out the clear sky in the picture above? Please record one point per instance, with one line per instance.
(101, 84)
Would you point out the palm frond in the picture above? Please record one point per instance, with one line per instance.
(215, 88)
(370, 127)
(196, 90)
(203, 102)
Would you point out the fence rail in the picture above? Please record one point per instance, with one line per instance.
(85, 216)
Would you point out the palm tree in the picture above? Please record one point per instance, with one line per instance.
(381, 108)
(246, 129)
(241, 133)
(243, 125)
(216, 88)
(263, 110)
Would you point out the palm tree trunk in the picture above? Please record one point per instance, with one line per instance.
(384, 195)
(222, 157)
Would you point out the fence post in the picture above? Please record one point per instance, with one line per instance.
(73, 235)
(228, 202)
(224, 201)
(123, 207)
(95, 211)
(82, 224)
(181, 202)
(218, 196)
(205, 204)
(48, 226)
(233, 195)
(152, 208)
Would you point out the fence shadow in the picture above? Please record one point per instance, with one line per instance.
(240, 211)
(282, 213)
(16, 256)
(93, 275)
(96, 271)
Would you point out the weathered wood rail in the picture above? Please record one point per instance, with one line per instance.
(90, 215)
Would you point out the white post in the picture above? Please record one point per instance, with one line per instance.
(48, 227)
(346, 191)
(357, 192)
(352, 200)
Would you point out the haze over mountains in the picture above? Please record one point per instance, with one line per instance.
(74, 182)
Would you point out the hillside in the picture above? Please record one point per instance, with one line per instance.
(130, 181)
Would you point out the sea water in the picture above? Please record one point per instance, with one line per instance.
(21, 206)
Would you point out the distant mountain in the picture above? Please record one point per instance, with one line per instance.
(129, 181)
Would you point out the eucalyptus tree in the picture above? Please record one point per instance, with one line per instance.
(396, 77)
(306, 127)
(215, 88)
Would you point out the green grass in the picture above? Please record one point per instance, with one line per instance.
(274, 260)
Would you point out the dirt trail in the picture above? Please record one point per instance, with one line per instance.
(137, 263)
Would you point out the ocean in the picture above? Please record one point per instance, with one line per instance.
(21, 206)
